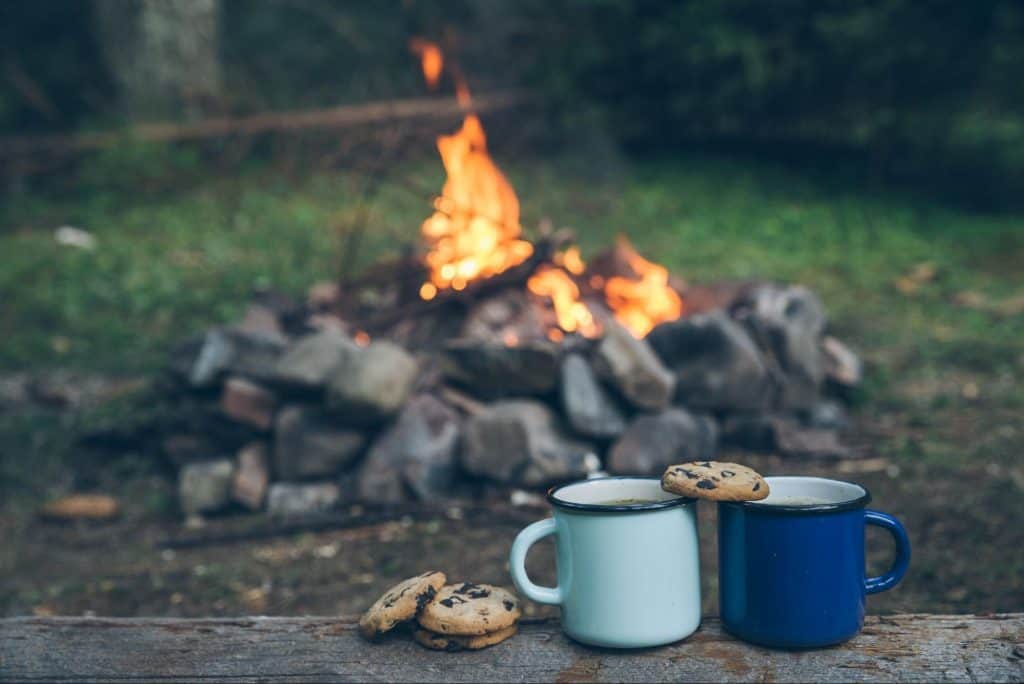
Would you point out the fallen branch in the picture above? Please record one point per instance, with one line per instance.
(334, 117)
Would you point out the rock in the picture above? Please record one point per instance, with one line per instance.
(81, 507)
(520, 441)
(750, 431)
(205, 487)
(262, 320)
(492, 370)
(654, 441)
(416, 454)
(225, 350)
(309, 363)
(510, 315)
(248, 403)
(787, 323)
(212, 360)
(633, 368)
(288, 499)
(795, 440)
(826, 414)
(252, 475)
(717, 365)
(842, 365)
(323, 296)
(372, 383)
(589, 408)
(309, 443)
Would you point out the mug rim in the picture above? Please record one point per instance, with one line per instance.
(624, 508)
(835, 507)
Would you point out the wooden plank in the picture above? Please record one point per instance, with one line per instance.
(904, 648)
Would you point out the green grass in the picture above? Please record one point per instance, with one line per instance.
(169, 263)
(172, 262)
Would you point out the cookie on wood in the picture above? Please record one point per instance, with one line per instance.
(400, 603)
(456, 642)
(715, 481)
(470, 609)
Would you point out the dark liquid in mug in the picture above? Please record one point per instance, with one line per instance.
(626, 502)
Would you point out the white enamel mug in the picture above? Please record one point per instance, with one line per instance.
(628, 574)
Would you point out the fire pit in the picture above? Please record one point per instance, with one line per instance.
(485, 361)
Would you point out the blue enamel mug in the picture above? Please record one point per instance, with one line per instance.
(628, 573)
(791, 566)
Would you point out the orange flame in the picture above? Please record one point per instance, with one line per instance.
(431, 60)
(642, 303)
(474, 231)
(571, 313)
(571, 261)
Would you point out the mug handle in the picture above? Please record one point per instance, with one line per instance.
(873, 585)
(517, 563)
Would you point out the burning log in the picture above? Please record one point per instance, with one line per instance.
(517, 276)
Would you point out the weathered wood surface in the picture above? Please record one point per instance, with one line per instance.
(933, 648)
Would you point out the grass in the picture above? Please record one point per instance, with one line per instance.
(943, 396)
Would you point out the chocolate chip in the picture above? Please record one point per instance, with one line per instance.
(728, 473)
(451, 601)
(508, 605)
(426, 597)
(757, 485)
(706, 484)
(706, 464)
(473, 590)
(690, 475)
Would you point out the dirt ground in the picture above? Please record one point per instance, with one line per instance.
(964, 522)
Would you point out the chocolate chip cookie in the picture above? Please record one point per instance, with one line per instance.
(455, 642)
(401, 602)
(714, 481)
(470, 609)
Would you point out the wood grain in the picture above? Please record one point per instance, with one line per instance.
(904, 648)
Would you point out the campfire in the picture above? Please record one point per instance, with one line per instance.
(484, 360)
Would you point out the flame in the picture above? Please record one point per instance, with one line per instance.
(361, 338)
(431, 60)
(641, 303)
(474, 231)
(571, 260)
(571, 313)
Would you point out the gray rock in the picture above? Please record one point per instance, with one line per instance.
(310, 362)
(371, 384)
(309, 443)
(826, 414)
(787, 322)
(587, 405)
(205, 487)
(252, 475)
(289, 499)
(416, 454)
(226, 350)
(655, 441)
(492, 370)
(717, 365)
(633, 368)
(248, 403)
(520, 441)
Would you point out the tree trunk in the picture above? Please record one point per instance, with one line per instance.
(163, 54)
